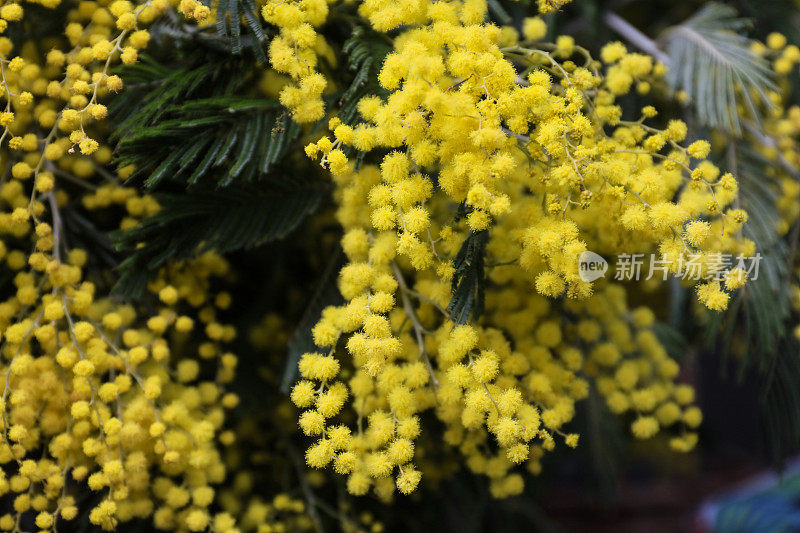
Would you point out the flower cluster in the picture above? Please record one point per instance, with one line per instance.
(61, 92)
(124, 400)
(127, 401)
(109, 397)
(540, 143)
(501, 151)
(296, 50)
(265, 452)
(778, 144)
(781, 130)
(467, 196)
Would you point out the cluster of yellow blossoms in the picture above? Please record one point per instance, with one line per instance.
(297, 48)
(494, 153)
(265, 457)
(781, 130)
(295, 51)
(57, 85)
(493, 140)
(125, 401)
(116, 398)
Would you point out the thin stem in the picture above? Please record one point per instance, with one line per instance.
(424, 298)
(57, 225)
(419, 331)
(637, 38)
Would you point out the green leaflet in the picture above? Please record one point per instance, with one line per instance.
(365, 51)
(714, 65)
(194, 123)
(469, 279)
(229, 26)
(779, 402)
(235, 138)
(221, 220)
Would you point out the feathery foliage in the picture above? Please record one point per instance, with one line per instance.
(365, 51)
(759, 312)
(228, 25)
(229, 137)
(711, 60)
(780, 402)
(195, 123)
(759, 316)
(221, 220)
(188, 124)
(469, 279)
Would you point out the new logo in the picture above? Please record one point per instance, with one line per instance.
(591, 266)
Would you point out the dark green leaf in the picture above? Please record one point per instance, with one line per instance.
(780, 402)
(469, 279)
(222, 136)
(365, 51)
(222, 220)
(229, 26)
(498, 12)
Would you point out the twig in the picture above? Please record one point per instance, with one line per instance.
(637, 38)
(418, 329)
(424, 298)
(57, 225)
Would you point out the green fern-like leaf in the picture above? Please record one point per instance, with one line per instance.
(780, 402)
(760, 310)
(498, 12)
(192, 124)
(469, 279)
(760, 314)
(222, 220)
(365, 51)
(711, 60)
(153, 89)
(231, 137)
(229, 26)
